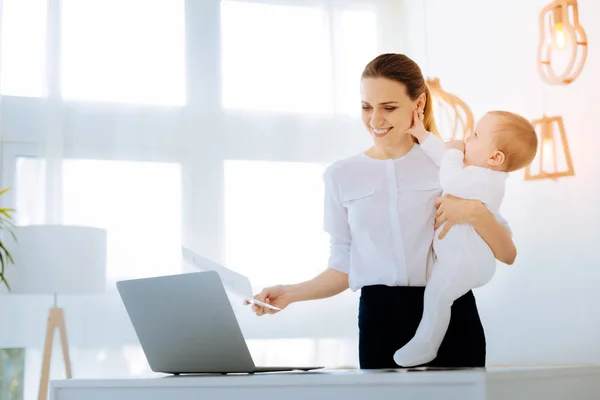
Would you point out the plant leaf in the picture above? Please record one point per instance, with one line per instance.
(3, 280)
(8, 256)
(4, 190)
(7, 222)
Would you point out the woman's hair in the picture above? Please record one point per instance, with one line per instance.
(400, 68)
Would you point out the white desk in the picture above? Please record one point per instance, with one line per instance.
(576, 383)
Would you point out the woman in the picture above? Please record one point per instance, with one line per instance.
(380, 213)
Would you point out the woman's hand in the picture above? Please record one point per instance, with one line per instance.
(453, 210)
(278, 296)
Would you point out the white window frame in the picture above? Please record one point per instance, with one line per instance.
(10, 153)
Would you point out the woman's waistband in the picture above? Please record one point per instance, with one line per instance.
(384, 290)
(396, 292)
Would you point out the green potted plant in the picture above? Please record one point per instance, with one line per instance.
(6, 225)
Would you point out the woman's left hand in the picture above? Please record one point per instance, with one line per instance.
(454, 210)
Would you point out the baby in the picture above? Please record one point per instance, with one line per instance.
(475, 169)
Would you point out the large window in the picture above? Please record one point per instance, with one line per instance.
(296, 57)
(124, 50)
(139, 203)
(274, 220)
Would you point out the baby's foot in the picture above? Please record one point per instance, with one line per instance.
(415, 352)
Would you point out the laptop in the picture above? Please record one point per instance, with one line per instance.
(186, 325)
(233, 281)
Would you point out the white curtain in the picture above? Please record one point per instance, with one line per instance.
(201, 122)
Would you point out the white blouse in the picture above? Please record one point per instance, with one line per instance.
(380, 216)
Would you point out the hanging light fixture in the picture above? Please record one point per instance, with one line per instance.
(453, 114)
(562, 41)
(553, 159)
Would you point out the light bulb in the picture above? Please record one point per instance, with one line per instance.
(559, 37)
(548, 155)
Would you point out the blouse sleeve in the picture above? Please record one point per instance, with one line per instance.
(336, 225)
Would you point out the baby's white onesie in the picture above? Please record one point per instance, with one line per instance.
(463, 260)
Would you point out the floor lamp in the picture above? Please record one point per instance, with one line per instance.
(57, 259)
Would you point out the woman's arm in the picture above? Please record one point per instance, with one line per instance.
(453, 210)
(334, 279)
(327, 284)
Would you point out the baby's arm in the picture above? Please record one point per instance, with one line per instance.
(434, 147)
(468, 183)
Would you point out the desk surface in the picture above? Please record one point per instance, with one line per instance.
(491, 383)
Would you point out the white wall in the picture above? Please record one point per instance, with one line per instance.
(546, 307)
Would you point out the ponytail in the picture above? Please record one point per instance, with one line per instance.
(428, 117)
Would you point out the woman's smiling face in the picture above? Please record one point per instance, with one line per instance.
(387, 110)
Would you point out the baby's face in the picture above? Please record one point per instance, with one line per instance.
(480, 146)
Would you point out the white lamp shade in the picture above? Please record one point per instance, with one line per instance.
(58, 259)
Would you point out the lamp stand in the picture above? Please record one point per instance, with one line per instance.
(56, 319)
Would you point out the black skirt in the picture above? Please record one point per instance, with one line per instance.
(388, 318)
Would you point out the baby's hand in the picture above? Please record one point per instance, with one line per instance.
(417, 129)
(456, 144)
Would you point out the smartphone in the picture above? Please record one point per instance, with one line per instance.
(260, 303)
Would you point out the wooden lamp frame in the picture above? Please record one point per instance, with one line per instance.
(558, 12)
(549, 128)
(455, 110)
